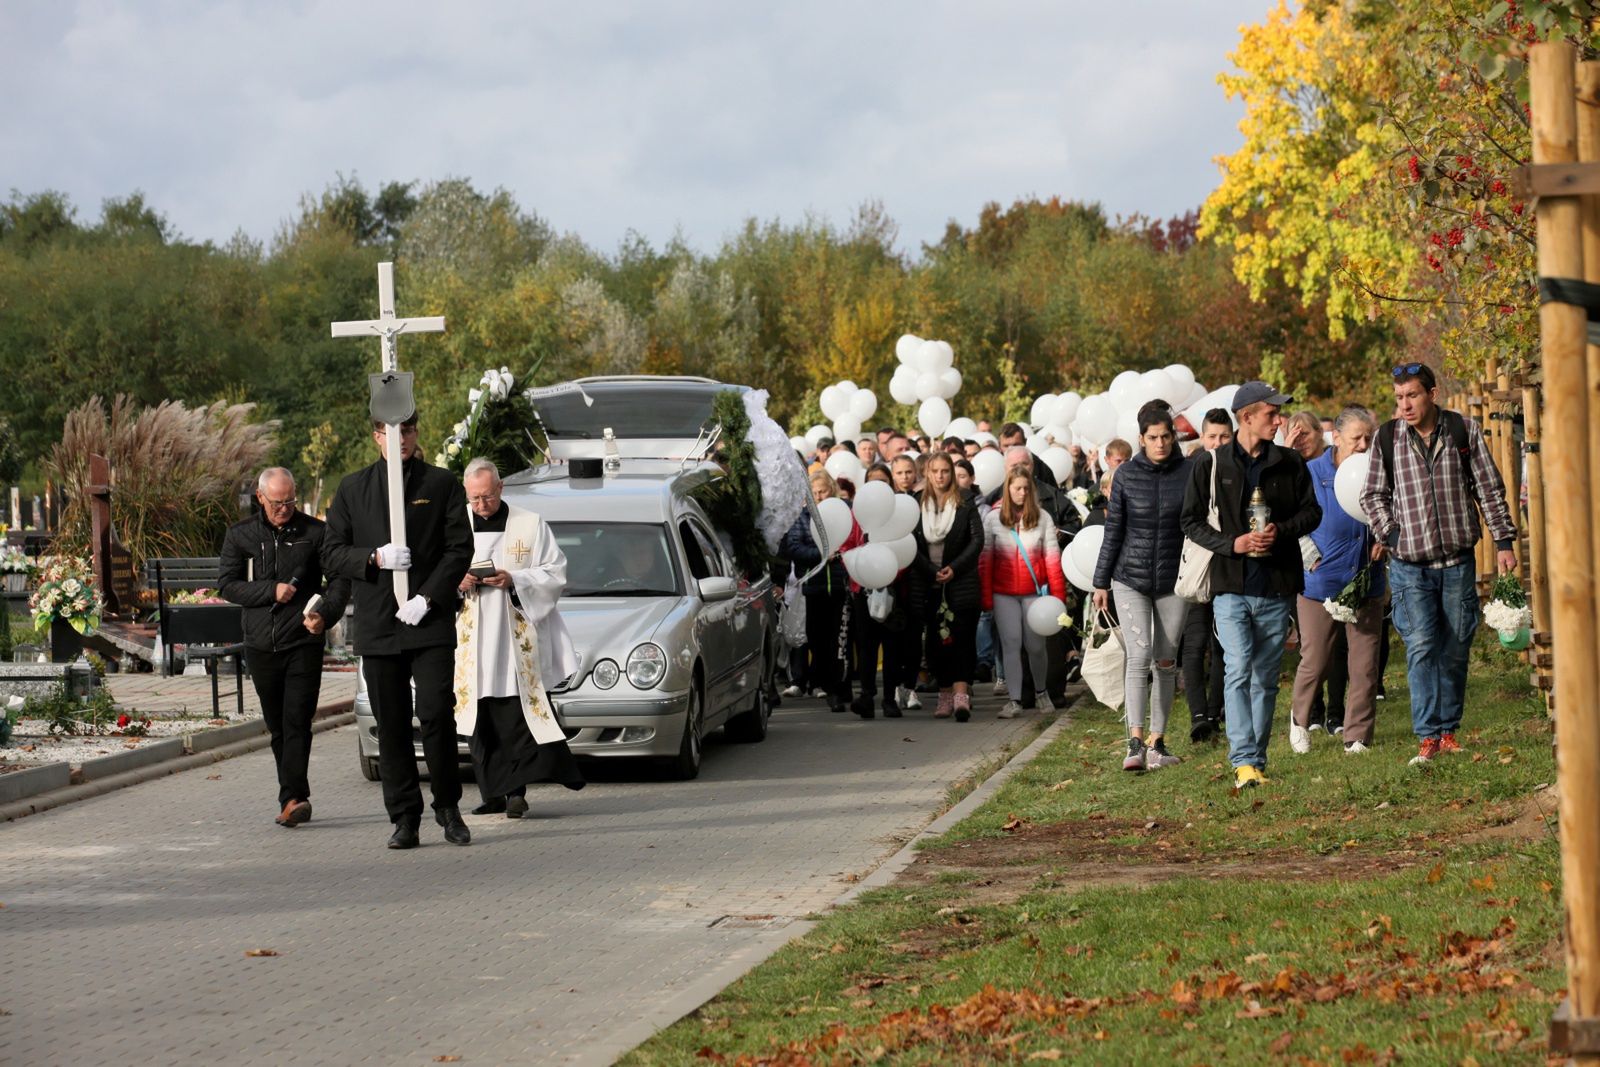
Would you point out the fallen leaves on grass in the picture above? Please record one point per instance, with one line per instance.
(1014, 823)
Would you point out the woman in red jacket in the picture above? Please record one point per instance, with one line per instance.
(1021, 562)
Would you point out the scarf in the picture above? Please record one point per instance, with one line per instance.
(937, 522)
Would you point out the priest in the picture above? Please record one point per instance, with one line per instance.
(511, 644)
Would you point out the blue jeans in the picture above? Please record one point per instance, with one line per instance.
(986, 654)
(1251, 630)
(1436, 612)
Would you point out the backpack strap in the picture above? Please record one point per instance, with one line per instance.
(1454, 424)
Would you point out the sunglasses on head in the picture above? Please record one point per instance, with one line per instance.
(1407, 368)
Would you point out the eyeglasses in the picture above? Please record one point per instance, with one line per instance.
(1407, 368)
(270, 503)
(485, 498)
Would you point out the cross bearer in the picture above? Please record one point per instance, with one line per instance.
(399, 531)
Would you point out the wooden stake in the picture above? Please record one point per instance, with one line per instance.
(1538, 557)
(1562, 330)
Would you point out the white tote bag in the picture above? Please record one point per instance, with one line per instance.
(1104, 661)
(1194, 565)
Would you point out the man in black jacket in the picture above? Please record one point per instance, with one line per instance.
(272, 567)
(411, 643)
(1255, 573)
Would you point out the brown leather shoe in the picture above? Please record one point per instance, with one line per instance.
(294, 813)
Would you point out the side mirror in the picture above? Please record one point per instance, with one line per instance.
(714, 590)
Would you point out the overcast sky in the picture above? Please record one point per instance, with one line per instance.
(604, 117)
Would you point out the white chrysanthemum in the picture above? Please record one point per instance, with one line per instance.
(784, 488)
(71, 586)
(1505, 618)
(453, 449)
(1338, 612)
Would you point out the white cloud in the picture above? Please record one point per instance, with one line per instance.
(608, 117)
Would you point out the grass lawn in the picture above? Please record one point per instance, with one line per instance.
(1355, 910)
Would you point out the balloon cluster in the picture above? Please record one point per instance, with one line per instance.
(849, 406)
(928, 378)
(887, 518)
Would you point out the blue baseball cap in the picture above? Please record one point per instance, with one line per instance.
(1258, 393)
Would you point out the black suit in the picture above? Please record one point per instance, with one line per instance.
(395, 655)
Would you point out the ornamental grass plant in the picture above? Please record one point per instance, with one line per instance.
(176, 472)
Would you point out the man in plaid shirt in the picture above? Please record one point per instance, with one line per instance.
(1426, 523)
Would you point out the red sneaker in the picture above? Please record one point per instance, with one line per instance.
(1448, 743)
(1425, 754)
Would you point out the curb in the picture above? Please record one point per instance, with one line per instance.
(747, 957)
(114, 772)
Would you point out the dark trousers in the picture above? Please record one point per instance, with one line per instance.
(288, 682)
(902, 653)
(828, 644)
(1203, 693)
(958, 660)
(389, 681)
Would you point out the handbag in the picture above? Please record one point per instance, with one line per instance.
(793, 623)
(1194, 564)
(1104, 661)
(1038, 589)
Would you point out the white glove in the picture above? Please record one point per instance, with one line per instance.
(412, 611)
(393, 557)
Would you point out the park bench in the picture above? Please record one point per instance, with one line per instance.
(210, 633)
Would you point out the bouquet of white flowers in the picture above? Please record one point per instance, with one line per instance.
(1507, 610)
(1346, 607)
(66, 592)
(12, 560)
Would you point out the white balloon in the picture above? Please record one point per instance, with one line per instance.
(949, 382)
(933, 416)
(927, 385)
(863, 404)
(1038, 444)
(1065, 409)
(1059, 460)
(905, 518)
(1128, 428)
(846, 428)
(847, 389)
(1224, 398)
(836, 521)
(800, 444)
(1197, 393)
(988, 469)
(1085, 549)
(906, 347)
(1044, 615)
(1348, 481)
(1074, 575)
(964, 428)
(845, 465)
(904, 549)
(984, 437)
(1097, 419)
(1182, 383)
(1043, 410)
(817, 433)
(876, 566)
(1156, 385)
(874, 506)
(829, 402)
(903, 385)
(1122, 383)
(1058, 433)
(849, 560)
(933, 356)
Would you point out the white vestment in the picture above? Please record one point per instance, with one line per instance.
(504, 650)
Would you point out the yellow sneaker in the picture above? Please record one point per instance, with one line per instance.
(1245, 777)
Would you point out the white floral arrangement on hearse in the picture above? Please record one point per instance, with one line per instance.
(65, 591)
(1346, 607)
(1507, 610)
(498, 426)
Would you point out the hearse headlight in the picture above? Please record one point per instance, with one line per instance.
(606, 673)
(647, 665)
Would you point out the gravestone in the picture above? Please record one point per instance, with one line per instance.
(113, 564)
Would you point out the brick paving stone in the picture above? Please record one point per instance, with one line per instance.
(126, 918)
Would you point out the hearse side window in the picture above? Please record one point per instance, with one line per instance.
(701, 563)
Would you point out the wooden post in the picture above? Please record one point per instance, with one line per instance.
(1563, 330)
(1538, 557)
(1484, 549)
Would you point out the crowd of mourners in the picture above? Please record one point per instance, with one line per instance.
(1289, 567)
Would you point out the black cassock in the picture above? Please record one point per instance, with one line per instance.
(505, 757)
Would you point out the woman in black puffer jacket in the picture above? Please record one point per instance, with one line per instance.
(944, 589)
(1138, 565)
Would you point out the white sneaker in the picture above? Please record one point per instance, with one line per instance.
(1299, 739)
(1045, 707)
(906, 697)
(999, 687)
(1355, 748)
(793, 691)
(1010, 711)
(1314, 726)
(820, 694)
(1337, 731)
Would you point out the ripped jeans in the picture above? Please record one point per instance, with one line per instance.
(1151, 630)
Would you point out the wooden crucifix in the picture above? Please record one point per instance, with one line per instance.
(393, 382)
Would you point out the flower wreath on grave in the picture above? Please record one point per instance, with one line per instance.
(763, 487)
(499, 426)
(65, 591)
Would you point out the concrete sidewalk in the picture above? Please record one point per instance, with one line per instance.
(191, 693)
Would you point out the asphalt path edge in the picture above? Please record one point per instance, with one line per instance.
(329, 716)
(751, 954)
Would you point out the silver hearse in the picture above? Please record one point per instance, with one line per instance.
(673, 642)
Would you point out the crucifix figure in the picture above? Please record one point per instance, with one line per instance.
(391, 392)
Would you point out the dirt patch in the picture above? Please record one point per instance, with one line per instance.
(1083, 853)
(1533, 818)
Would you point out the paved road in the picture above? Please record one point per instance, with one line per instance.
(126, 918)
